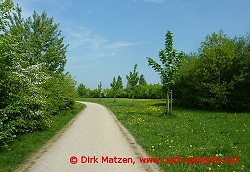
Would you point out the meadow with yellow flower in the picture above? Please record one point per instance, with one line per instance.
(185, 133)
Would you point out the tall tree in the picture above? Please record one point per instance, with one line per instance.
(119, 80)
(142, 80)
(115, 86)
(32, 59)
(216, 79)
(133, 79)
(41, 40)
(170, 60)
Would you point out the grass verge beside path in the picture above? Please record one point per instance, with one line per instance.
(26, 145)
(188, 134)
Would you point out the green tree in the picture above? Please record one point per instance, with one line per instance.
(133, 79)
(170, 60)
(217, 76)
(186, 91)
(32, 83)
(155, 91)
(119, 81)
(81, 90)
(214, 70)
(239, 98)
(142, 80)
(68, 90)
(115, 86)
(40, 40)
(141, 91)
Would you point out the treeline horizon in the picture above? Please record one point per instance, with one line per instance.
(217, 77)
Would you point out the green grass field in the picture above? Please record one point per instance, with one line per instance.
(187, 133)
(26, 145)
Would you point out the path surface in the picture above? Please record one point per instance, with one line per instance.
(94, 134)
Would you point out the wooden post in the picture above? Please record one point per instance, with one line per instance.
(171, 100)
(167, 102)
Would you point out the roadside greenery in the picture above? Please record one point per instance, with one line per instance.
(185, 133)
(27, 145)
(33, 84)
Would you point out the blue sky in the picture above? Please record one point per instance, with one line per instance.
(108, 37)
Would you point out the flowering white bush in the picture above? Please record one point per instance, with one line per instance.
(32, 83)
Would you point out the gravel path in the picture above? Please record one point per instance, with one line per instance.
(95, 142)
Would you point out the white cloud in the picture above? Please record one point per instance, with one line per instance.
(91, 46)
(121, 44)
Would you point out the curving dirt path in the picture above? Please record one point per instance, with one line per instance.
(96, 142)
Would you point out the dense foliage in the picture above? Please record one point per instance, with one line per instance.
(145, 91)
(33, 85)
(139, 90)
(217, 77)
